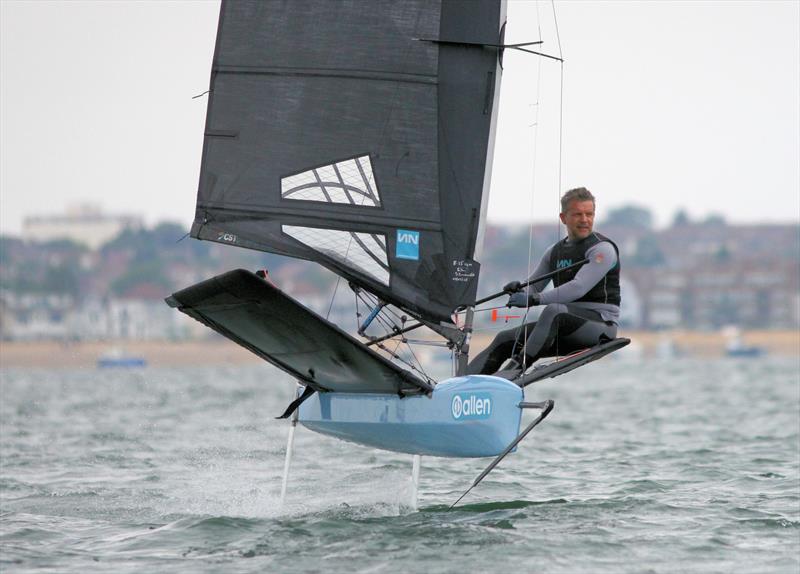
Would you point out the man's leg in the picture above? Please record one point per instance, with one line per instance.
(564, 328)
(503, 346)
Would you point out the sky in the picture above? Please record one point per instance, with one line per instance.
(666, 105)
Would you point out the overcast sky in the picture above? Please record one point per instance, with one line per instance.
(665, 104)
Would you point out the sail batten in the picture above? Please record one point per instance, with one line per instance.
(331, 73)
(335, 135)
(310, 210)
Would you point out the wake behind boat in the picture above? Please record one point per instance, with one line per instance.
(362, 140)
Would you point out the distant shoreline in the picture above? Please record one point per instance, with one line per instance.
(53, 354)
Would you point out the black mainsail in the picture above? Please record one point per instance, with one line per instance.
(358, 135)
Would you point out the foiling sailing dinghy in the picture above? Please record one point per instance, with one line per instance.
(359, 135)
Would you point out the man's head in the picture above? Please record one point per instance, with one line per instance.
(577, 213)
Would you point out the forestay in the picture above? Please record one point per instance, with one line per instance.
(344, 133)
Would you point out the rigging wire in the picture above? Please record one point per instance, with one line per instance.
(523, 323)
(371, 300)
(388, 327)
(346, 258)
(410, 365)
(560, 132)
(425, 343)
(385, 323)
(401, 340)
(333, 297)
(533, 188)
(413, 354)
(358, 311)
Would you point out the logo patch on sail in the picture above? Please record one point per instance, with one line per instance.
(407, 244)
(473, 406)
(349, 181)
(365, 252)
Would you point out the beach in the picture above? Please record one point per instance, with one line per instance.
(219, 351)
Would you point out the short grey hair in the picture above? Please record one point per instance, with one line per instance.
(576, 194)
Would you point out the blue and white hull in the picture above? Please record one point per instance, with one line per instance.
(470, 416)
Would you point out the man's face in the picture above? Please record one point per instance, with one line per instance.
(579, 219)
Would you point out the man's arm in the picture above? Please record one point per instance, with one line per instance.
(602, 259)
(542, 268)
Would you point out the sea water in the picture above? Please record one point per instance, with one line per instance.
(681, 466)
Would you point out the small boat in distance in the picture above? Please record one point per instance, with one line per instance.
(737, 348)
(118, 357)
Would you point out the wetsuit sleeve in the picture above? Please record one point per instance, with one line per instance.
(541, 268)
(602, 258)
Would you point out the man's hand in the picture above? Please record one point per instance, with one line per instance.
(512, 287)
(523, 300)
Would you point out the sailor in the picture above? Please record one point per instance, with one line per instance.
(581, 310)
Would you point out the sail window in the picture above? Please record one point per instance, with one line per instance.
(350, 181)
(365, 252)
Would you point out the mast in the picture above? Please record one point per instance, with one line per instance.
(462, 352)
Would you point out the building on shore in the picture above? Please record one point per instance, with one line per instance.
(751, 295)
(82, 223)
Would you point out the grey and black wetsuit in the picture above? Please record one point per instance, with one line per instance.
(581, 309)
